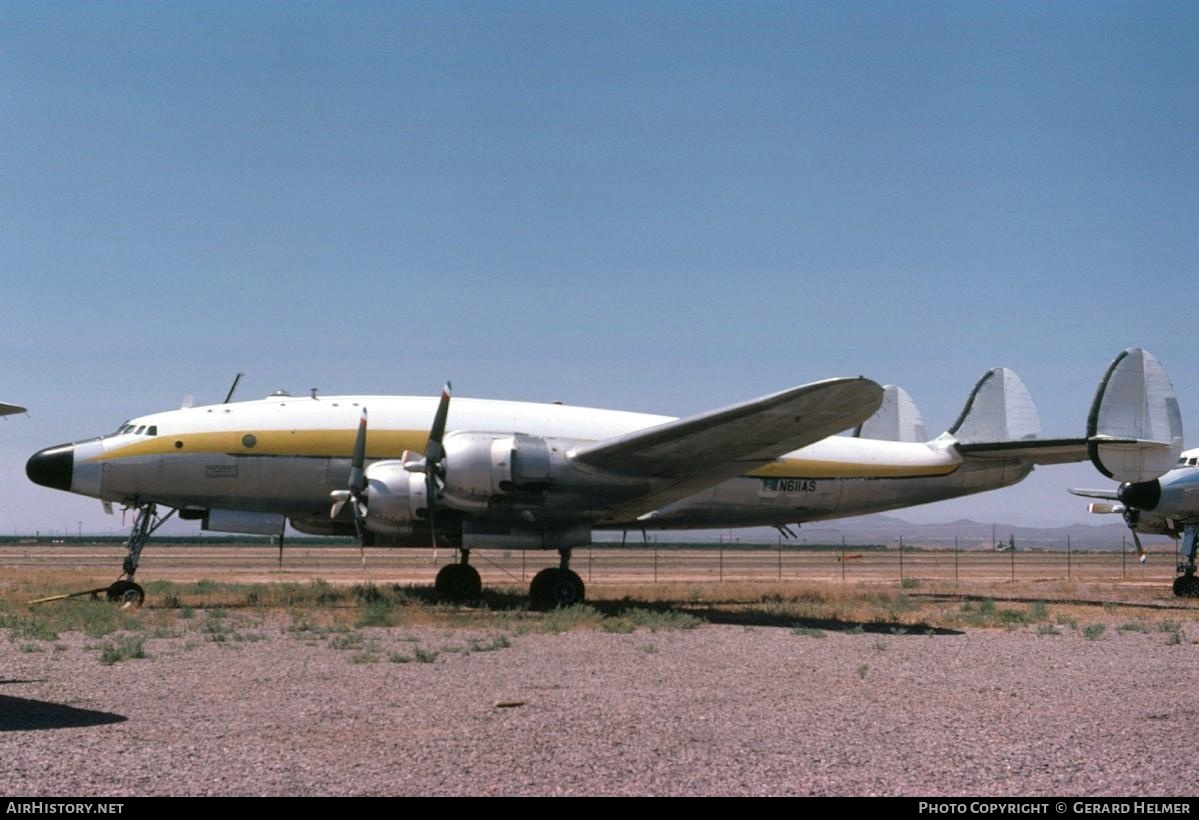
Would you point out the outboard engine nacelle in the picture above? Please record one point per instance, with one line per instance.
(395, 498)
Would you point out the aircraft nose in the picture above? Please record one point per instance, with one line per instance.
(52, 467)
(1141, 495)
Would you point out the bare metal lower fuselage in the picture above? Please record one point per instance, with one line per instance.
(299, 488)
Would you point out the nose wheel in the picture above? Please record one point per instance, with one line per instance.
(126, 594)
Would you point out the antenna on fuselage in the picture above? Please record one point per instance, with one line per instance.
(232, 388)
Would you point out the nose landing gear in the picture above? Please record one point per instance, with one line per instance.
(124, 592)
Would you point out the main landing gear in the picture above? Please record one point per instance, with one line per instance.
(552, 587)
(124, 591)
(460, 581)
(1186, 585)
(556, 586)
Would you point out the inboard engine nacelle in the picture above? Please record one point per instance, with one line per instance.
(481, 468)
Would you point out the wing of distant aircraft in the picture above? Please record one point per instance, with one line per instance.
(10, 409)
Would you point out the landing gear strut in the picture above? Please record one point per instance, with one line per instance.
(556, 586)
(460, 581)
(146, 522)
(1186, 585)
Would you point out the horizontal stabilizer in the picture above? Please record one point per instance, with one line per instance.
(1134, 430)
(1033, 451)
(999, 409)
(898, 419)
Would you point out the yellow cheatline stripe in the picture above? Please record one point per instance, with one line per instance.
(329, 443)
(805, 468)
(391, 443)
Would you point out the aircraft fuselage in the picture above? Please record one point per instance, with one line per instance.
(285, 455)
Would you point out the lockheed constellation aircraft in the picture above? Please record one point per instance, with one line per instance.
(474, 473)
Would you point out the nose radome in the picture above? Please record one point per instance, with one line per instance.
(52, 467)
(1142, 495)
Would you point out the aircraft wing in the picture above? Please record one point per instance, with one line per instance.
(10, 409)
(690, 454)
(1032, 451)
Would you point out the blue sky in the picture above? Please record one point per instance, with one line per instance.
(651, 206)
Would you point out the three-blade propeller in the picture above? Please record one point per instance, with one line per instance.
(432, 464)
(356, 488)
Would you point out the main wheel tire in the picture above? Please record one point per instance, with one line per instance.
(1186, 586)
(554, 587)
(458, 582)
(126, 594)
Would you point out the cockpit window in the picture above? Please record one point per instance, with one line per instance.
(152, 430)
(139, 430)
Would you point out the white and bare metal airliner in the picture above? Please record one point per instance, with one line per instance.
(475, 473)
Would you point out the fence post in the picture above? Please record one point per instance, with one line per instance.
(1123, 557)
(722, 564)
(1067, 557)
(842, 559)
(655, 563)
(901, 558)
(955, 559)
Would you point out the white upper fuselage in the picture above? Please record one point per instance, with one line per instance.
(286, 454)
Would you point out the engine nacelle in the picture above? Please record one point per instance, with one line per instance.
(508, 476)
(395, 498)
(482, 466)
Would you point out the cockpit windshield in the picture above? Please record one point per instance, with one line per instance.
(137, 429)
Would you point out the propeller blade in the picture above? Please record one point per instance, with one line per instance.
(357, 475)
(1136, 539)
(356, 490)
(431, 463)
(433, 450)
(1131, 517)
(340, 497)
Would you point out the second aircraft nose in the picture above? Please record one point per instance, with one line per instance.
(1142, 495)
(52, 467)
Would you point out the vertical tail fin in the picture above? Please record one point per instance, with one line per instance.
(897, 419)
(1134, 431)
(998, 409)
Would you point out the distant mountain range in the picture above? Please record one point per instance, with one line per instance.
(887, 529)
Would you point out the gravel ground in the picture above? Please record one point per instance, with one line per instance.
(713, 710)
